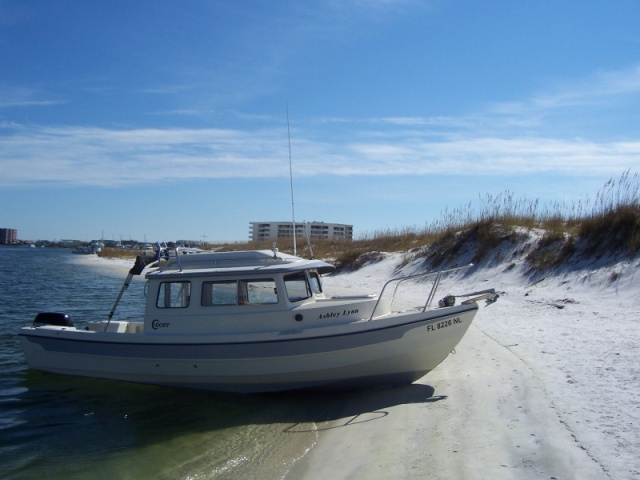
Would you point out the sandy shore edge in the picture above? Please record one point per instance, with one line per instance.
(482, 413)
(114, 265)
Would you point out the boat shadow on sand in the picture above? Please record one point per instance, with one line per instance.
(144, 415)
(344, 409)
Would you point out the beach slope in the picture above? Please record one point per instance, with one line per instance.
(542, 386)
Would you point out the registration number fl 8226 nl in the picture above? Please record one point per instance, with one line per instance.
(443, 324)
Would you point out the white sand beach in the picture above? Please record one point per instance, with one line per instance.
(544, 385)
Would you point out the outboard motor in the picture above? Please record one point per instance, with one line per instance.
(448, 301)
(52, 318)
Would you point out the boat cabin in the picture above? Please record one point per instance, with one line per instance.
(244, 292)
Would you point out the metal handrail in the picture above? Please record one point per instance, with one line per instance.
(438, 274)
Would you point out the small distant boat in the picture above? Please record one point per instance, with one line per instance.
(83, 250)
(254, 321)
(91, 249)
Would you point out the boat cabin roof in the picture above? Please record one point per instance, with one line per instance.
(238, 262)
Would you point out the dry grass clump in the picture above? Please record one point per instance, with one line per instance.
(475, 241)
(608, 226)
(553, 249)
(615, 231)
(614, 224)
(125, 253)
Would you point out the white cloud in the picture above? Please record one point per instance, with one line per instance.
(94, 156)
(108, 158)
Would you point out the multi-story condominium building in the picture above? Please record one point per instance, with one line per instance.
(315, 230)
(8, 236)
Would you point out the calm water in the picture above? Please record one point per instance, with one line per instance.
(55, 427)
(62, 427)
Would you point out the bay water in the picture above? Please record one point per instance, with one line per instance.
(63, 427)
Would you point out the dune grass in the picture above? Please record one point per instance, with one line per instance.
(606, 225)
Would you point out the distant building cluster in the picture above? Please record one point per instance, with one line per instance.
(315, 230)
(259, 231)
(8, 236)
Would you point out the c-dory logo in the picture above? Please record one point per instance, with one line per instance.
(156, 324)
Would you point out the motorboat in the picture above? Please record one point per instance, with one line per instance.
(83, 250)
(255, 321)
(91, 249)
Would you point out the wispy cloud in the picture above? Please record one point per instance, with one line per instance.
(19, 96)
(103, 157)
(602, 89)
(559, 109)
(111, 158)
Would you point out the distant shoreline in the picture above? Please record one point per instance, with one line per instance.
(120, 265)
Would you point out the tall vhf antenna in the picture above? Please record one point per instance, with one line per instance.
(293, 211)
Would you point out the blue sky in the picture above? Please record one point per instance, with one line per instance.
(165, 120)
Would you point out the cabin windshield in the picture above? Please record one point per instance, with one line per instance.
(298, 287)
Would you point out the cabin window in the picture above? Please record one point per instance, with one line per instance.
(297, 286)
(314, 280)
(257, 292)
(174, 295)
(224, 292)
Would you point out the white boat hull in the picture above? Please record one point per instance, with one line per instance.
(393, 350)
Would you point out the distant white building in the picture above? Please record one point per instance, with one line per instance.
(315, 230)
